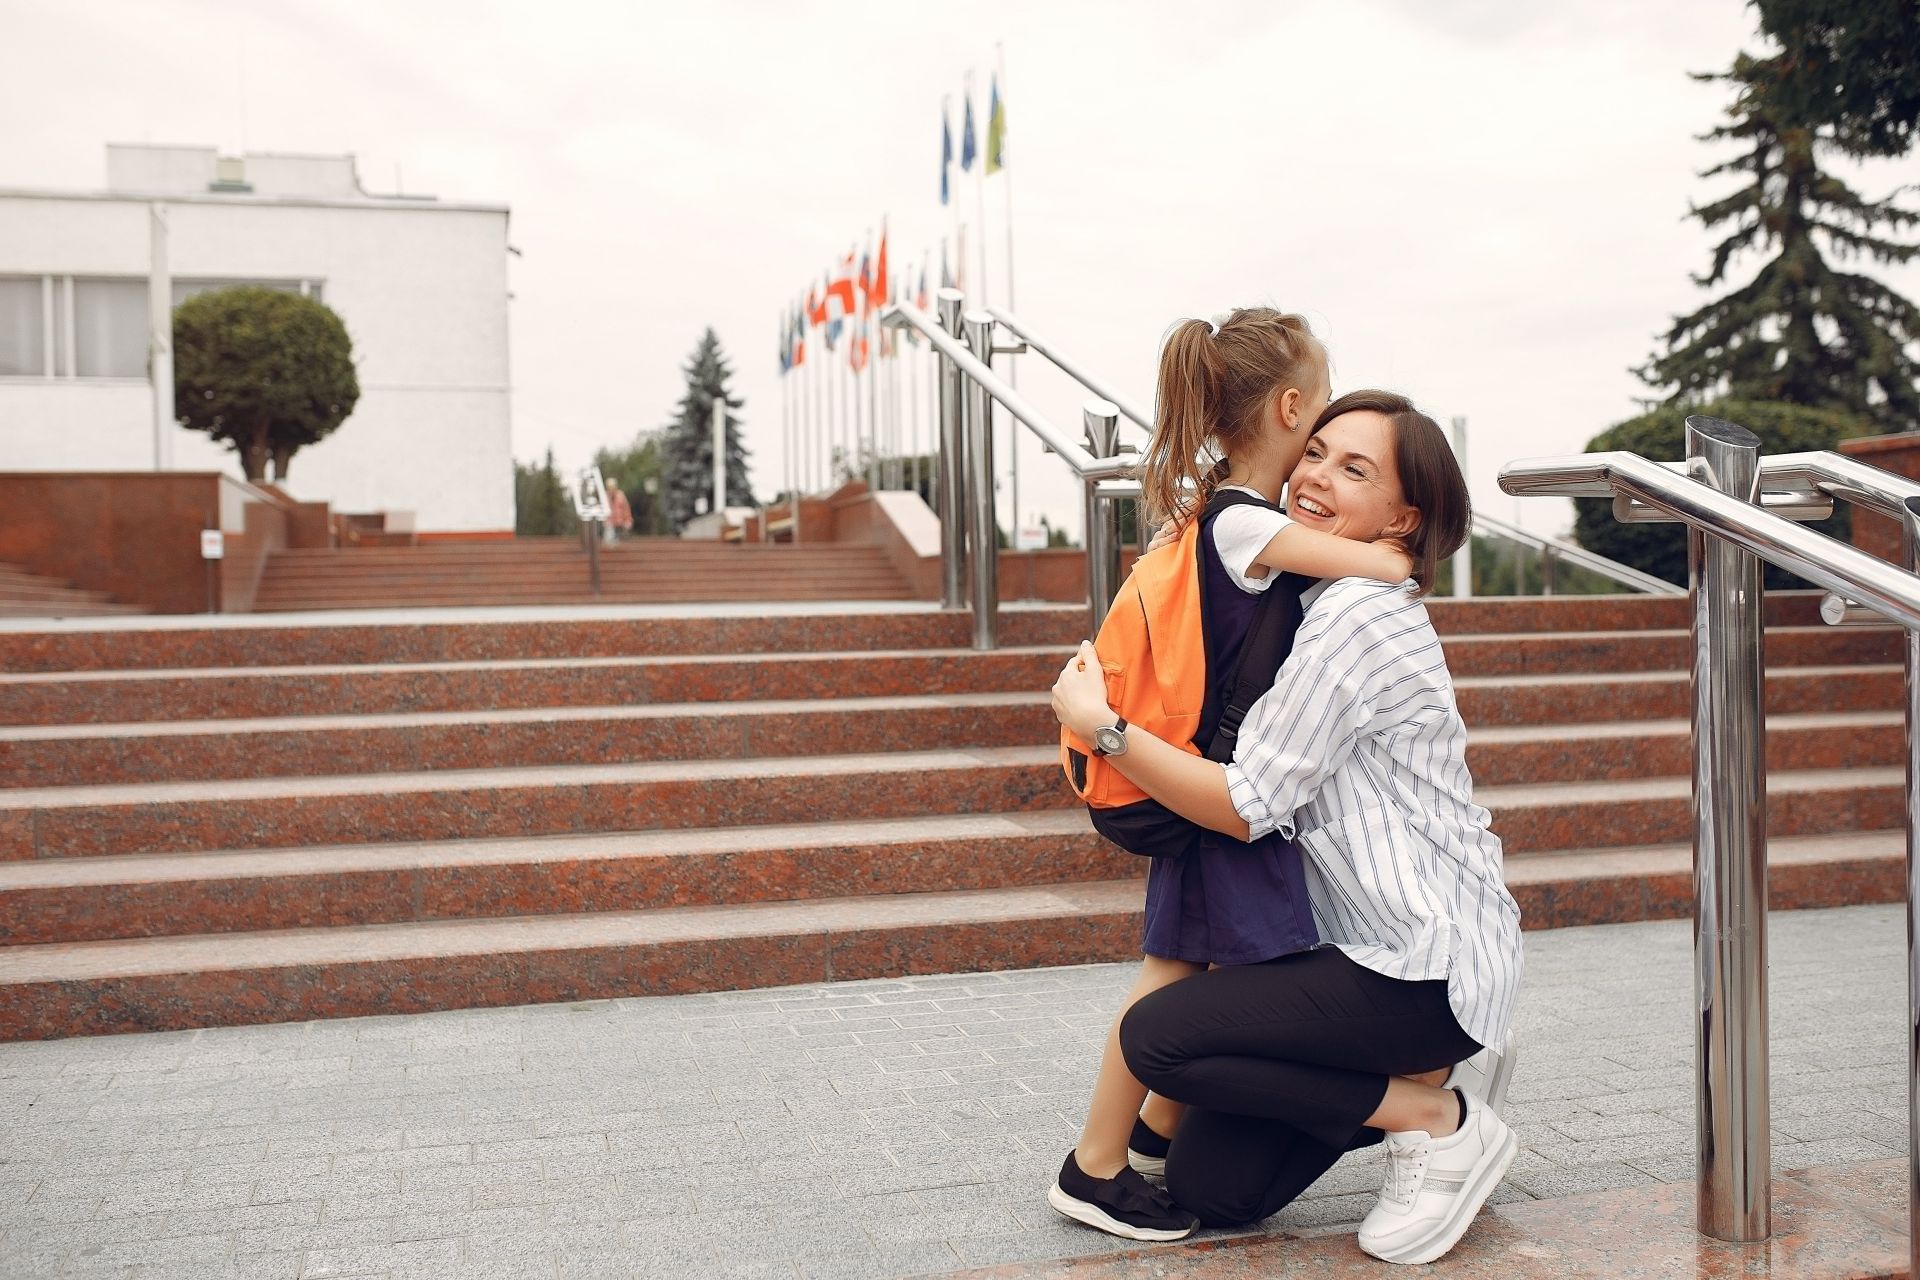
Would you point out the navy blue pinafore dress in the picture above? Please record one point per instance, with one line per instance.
(1229, 901)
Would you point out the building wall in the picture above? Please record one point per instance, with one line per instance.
(421, 287)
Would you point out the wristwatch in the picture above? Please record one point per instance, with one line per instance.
(1112, 740)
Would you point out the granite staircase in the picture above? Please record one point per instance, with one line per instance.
(24, 594)
(222, 825)
(540, 571)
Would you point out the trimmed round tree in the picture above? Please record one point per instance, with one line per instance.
(1661, 549)
(265, 371)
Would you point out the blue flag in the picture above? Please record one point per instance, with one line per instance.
(946, 151)
(966, 137)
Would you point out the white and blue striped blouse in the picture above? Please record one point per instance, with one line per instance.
(1358, 751)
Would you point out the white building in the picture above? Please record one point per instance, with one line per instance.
(421, 285)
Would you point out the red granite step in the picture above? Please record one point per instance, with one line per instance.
(306, 746)
(77, 899)
(588, 634)
(155, 984)
(314, 746)
(61, 822)
(1490, 701)
(168, 817)
(368, 689)
(1518, 755)
(71, 987)
(578, 594)
(1561, 815)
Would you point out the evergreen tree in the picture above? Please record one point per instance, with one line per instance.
(688, 443)
(542, 504)
(1802, 330)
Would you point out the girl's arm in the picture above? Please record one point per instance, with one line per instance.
(1192, 786)
(1296, 549)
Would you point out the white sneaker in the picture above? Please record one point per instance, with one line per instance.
(1487, 1073)
(1435, 1186)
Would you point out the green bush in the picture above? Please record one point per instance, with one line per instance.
(1661, 549)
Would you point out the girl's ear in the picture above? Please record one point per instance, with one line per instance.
(1286, 409)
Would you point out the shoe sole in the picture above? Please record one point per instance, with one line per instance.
(1151, 1166)
(1094, 1216)
(1455, 1225)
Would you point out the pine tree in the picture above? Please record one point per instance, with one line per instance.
(1803, 331)
(689, 438)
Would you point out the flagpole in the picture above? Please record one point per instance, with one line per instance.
(786, 406)
(1006, 179)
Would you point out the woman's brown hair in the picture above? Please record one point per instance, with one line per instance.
(1212, 393)
(1430, 479)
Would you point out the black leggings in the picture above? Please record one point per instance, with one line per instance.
(1281, 1064)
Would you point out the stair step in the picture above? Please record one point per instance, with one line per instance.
(732, 631)
(163, 751)
(171, 983)
(1562, 815)
(75, 899)
(158, 984)
(1490, 701)
(245, 692)
(333, 745)
(166, 817)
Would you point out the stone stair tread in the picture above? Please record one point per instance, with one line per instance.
(1524, 869)
(1777, 721)
(358, 944)
(511, 664)
(319, 859)
(591, 714)
(527, 715)
(1678, 675)
(1778, 782)
(297, 788)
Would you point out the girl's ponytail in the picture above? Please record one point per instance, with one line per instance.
(1212, 395)
(1185, 408)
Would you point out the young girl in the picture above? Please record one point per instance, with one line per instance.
(1247, 390)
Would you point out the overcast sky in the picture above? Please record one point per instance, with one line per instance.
(1477, 202)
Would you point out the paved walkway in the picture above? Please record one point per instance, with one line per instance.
(862, 1129)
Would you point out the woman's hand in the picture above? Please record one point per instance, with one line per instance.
(1080, 694)
(1403, 556)
(1169, 532)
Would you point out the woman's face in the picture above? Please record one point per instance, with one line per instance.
(1347, 484)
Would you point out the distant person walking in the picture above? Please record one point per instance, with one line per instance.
(620, 512)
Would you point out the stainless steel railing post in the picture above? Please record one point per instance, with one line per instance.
(1910, 550)
(951, 482)
(982, 528)
(1729, 854)
(1102, 420)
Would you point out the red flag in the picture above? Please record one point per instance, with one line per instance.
(880, 289)
(840, 292)
(816, 307)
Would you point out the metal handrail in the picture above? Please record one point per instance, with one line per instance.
(1060, 362)
(1719, 498)
(1754, 529)
(1574, 554)
(1075, 455)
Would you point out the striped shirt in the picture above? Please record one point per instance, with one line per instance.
(1360, 746)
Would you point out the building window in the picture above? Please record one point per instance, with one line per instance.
(79, 327)
(110, 328)
(23, 327)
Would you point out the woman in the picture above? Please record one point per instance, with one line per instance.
(1358, 752)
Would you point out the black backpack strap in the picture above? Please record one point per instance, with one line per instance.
(1276, 618)
(1275, 621)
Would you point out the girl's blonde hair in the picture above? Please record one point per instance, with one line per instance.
(1213, 391)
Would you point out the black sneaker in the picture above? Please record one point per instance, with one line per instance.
(1123, 1205)
(1147, 1150)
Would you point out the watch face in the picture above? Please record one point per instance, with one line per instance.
(1110, 740)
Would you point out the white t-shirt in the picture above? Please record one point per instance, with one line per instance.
(1242, 533)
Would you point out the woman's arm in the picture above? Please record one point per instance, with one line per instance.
(1192, 786)
(1296, 549)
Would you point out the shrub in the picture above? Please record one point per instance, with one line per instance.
(1661, 549)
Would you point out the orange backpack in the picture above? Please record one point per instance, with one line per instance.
(1153, 649)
